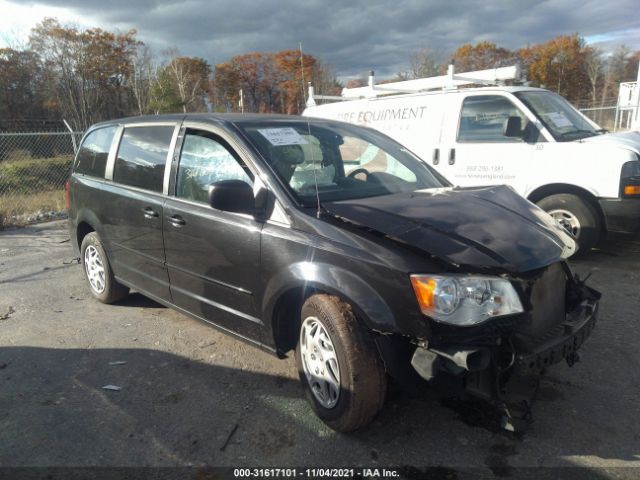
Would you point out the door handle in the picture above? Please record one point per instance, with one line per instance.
(452, 156)
(176, 220)
(436, 156)
(150, 212)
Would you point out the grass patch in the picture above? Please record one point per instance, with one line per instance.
(32, 186)
(27, 176)
(16, 209)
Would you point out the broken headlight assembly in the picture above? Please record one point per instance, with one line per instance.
(465, 300)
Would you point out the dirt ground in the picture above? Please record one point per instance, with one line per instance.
(191, 396)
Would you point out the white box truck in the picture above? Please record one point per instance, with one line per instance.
(529, 138)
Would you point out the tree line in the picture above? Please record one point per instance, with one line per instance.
(90, 75)
(565, 64)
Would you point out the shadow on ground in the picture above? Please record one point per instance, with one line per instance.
(172, 411)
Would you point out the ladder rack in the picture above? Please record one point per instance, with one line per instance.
(450, 81)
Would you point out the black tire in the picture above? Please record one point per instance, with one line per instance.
(590, 226)
(363, 380)
(112, 291)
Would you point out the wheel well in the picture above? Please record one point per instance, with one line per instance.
(285, 321)
(82, 230)
(558, 188)
(286, 318)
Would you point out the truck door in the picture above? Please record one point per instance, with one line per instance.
(490, 142)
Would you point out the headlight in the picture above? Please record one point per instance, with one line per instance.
(465, 300)
(630, 179)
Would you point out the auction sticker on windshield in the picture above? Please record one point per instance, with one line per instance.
(282, 136)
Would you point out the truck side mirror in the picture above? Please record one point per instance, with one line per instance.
(513, 128)
(232, 196)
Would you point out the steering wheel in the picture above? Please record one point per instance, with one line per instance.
(357, 171)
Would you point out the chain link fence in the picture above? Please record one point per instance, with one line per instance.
(603, 116)
(34, 167)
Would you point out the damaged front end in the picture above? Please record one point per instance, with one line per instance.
(502, 358)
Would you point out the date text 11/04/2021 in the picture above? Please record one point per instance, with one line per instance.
(360, 472)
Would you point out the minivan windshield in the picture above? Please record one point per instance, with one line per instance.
(343, 161)
(562, 120)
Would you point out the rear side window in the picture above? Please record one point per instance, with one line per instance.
(142, 157)
(93, 153)
(483, 118)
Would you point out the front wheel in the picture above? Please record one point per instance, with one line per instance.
(577, 216)
(338, 365)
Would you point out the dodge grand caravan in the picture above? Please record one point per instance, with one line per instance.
(271, 229)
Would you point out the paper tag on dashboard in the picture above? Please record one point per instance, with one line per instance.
(282, 136)
(559, 120)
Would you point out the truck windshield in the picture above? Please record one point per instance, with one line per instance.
(344, 161)
(562, 120)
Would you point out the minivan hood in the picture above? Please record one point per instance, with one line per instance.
(628, 140)
(485, 227)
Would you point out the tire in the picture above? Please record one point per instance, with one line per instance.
(577, 216)
(359, 392)
(97, 271)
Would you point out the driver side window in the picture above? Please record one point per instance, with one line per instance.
(206, 159)
(483, 118)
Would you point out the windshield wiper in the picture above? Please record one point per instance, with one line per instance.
(573, 132)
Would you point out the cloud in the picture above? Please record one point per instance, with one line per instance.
(358, 35)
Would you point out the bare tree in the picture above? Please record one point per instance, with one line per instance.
(593, 66)
(142, 78)
(425, 63)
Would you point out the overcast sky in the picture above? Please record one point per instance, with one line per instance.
(352, 36)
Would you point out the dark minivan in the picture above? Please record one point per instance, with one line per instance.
(334, 241)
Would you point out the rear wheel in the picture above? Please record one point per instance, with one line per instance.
(577, 216)
(338, 364)
(97, 271)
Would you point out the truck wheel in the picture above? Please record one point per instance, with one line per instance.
(97, 271)
(576, 216)
(338, 364)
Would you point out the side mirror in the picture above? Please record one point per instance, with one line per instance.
(513, 128)
(232, 196)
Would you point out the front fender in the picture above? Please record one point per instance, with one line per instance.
(369, 305)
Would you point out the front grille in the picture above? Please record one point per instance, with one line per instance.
(548, 310)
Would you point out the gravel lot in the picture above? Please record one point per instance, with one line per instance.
(185, 388)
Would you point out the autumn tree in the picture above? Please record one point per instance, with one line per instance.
(270, 82)
(257, 75)
(296, 70)
(632, 65)
(22, 85)
(88, 68)
(559, 65)
(482, 56)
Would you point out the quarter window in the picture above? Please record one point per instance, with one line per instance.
(142, 157)
(206, 159)
(92, 157)
(483, 118)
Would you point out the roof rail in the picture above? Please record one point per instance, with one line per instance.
(450, 81)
